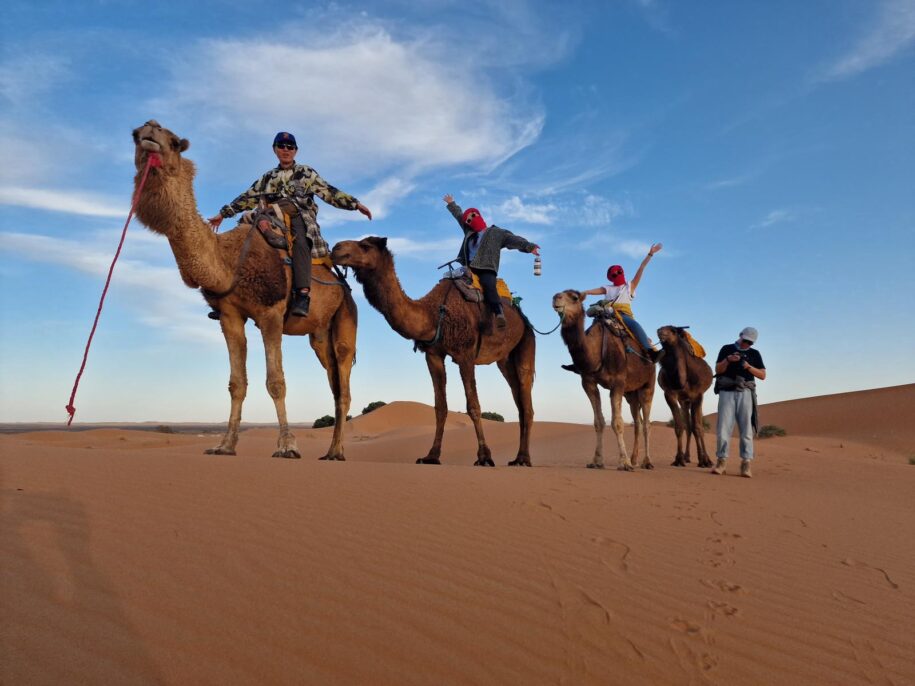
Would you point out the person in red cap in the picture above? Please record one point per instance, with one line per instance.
(294, 186)
(480, 251)
(619, 293)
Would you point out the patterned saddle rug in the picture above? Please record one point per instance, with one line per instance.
(469, 286)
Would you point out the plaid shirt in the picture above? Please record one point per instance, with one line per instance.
(300, 183)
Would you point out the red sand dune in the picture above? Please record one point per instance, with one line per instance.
(132, 558)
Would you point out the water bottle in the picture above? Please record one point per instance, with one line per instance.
(538, 263)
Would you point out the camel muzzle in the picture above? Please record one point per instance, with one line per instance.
(151, 145)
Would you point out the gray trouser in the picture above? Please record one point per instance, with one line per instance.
(735, 406)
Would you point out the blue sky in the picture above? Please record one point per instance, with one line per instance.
(769, 146)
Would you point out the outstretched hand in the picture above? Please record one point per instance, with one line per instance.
(448, 198)
(536, 250)
(656, 248)
(365, 210)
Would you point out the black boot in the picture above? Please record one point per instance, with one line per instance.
(213, 314)
(570, 368)
(300, 304)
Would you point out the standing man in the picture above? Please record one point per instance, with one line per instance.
(296, 185)
(480, 254)
(739, 365)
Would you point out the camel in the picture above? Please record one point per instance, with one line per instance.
(684, 378)
(242, 277)
(443, 323)
(604, 358)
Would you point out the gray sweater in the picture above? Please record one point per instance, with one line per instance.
(494, 239)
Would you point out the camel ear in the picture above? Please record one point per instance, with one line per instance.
(378, 241)
(182, 145)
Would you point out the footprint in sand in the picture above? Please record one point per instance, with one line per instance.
(849, 562)
(723, 585)
(723, 609)
(618, 553)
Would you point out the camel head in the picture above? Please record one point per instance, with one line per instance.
(569, 305)
(670, 335)
(151, 137)
(365, 256)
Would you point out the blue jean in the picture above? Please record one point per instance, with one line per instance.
(637, 329)
(735, 407)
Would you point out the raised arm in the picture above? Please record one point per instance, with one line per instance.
(455, 210)
(638, 275)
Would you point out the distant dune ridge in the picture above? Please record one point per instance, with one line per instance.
(130, 557)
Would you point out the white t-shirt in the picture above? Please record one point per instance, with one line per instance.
(618, 295)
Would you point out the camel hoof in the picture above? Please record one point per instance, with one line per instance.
(625, 468)
(705, 464)
(484, 462)
(594, 465)
(333, 458)
(218, 451)
(648, 465)
(678, 463)
(428, 460)
(290, 453)
(520, 462)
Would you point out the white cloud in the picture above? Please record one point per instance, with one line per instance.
(27, 76)
(379, 200)
(163, 301)
(358, 95)
(515, 208)
(72, 202)
(775, 217)
(891, 32)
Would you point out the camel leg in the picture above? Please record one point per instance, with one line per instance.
(518, 370)
(679, 427)
(322, 344)
(436, 365)
(343, 339)
(637, 426)
(593, 393)
(703, 460)
(272, 333)
(616, 421)
(233, 329)
(468, 376)
(646, 395)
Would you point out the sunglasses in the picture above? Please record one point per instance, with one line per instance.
(471, 217)
(286, 146)
(616, 274)
(744, 340)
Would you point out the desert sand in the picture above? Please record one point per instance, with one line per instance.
(130, 557)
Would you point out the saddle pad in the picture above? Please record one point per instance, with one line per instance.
(325, 260)
(698, 350)
(501, 286)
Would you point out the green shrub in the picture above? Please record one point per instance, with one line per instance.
(327, 420)
(912, 460)
(373, 406)
(770, 430)
(494, 416)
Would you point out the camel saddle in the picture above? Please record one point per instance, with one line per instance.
(468, 284)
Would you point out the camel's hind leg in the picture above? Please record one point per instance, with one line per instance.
(680, 425)
(468, 376)
(518, 370)
(695, 407)
(335, 352)
(233, 329)
(616, 421)
(272, 333)
(436, 365)
(593, 393)
(641, 427)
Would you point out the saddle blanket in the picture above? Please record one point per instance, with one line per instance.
(501, 286)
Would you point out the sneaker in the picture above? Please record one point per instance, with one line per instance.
(719, 467)
(213, 314)
(500, 321)
(300, 304)
(570, 368)
(745, 469)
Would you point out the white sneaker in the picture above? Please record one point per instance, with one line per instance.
(745, 469)
(719, 467)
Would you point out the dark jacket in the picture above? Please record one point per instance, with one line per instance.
(494, 239)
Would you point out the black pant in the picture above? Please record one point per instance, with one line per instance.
(301, 254)
(490, 293)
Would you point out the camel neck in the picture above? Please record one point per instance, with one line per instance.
(168, 206)
(585, 349)
(408, 317)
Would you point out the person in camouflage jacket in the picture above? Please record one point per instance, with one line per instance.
(295, 186)
(480, 252)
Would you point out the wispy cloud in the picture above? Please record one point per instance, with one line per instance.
(56, 200)
(515, 208)
(25, 77)
(892, 31)
(359, 94)
(167, 304)
(775, 217)
(730, 182)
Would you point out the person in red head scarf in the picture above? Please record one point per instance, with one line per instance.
(480, 253)
(619, 294)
